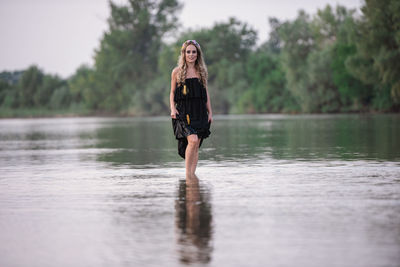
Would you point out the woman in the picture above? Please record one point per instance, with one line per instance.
(190, 103)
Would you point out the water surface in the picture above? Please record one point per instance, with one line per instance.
(272, 190)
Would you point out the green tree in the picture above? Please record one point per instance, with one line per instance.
(8, 90)
(4, 89)
(11, 78)
(43, 93)
(82, 88)
(354, 94)
(128, 55)
(268, 90)
(309, 55)
(377, 62)
(28, 86)
(298, 44)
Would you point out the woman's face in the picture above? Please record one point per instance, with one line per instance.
(191, 54)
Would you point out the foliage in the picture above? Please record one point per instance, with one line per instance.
(333, 61)
(268, 90)
(309, 57)
(4, 89)
(128, 55)
(10, 78)
(377, 62)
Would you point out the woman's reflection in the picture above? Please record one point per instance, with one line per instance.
(193, 221)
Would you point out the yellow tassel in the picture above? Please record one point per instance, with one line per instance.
(184, 90)
(188, 119)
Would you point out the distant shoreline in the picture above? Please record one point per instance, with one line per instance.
(37, 114)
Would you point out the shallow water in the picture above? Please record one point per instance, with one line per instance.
(273, 190)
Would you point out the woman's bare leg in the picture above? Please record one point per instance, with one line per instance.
(192, 154)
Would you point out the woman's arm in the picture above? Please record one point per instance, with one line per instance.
(210, 119)
(174, 112)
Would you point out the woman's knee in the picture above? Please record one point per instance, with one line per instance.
(193, 139)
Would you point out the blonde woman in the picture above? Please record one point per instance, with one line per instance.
(191, 111)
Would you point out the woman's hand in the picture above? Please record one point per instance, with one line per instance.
(174, 112)
(210, 118)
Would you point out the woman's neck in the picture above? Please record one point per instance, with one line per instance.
(190, 65)
(191, 70)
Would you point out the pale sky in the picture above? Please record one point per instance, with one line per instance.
(60, 35)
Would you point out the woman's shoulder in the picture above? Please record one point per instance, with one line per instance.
(175, 72)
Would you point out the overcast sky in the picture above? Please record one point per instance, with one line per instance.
(60, 35)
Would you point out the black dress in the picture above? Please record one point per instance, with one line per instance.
(191, 103)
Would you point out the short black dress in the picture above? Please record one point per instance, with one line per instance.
(191, 103)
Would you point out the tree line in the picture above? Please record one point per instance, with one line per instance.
(336, 60)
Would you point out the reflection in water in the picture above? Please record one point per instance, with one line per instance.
(194, 222)
(309, 190)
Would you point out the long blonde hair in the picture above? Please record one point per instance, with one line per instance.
(200, 65)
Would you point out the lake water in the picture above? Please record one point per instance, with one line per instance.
(272, 190)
